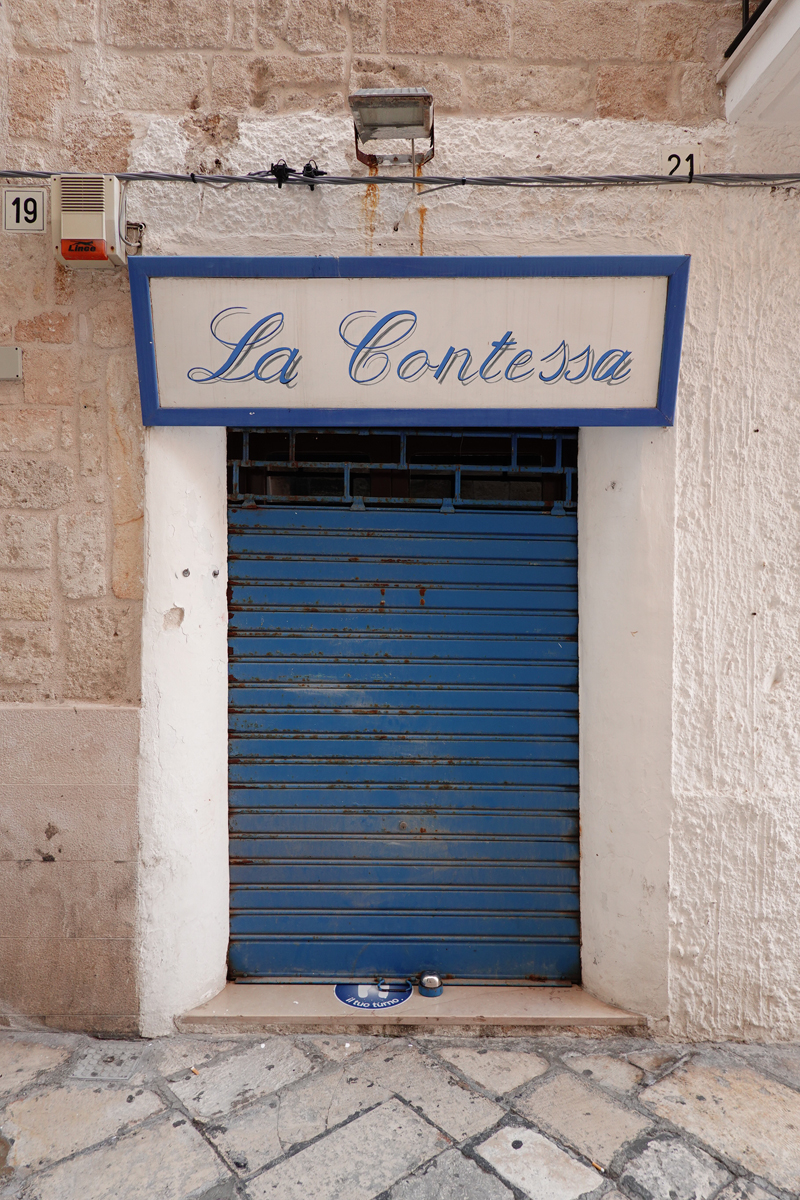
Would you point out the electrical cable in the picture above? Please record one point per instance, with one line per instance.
(122, 220)
(288, 176)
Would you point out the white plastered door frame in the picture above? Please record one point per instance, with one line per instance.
(625, 559)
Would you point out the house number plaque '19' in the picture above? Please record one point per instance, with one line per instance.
(441, 341)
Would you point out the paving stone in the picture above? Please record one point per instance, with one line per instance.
(498, 1071)
(669, 1170)
(238, 1080)
(427, 1085)
(164, 1161)
(356, 1162)
(531, 1162)
(50, 1125)
(338, 1049)
(109, 1061)
(741, 1189)
(22, 1060)
(173, 1056)
(603, 1069)
(652, 1060)
(733, 1109)
(258, 1103)
(268, 1130)
(781, 1061)
(450, 1177)
(593, 1123)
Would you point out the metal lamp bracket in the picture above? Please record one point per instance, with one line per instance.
(386, 160)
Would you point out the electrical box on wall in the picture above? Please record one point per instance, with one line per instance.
(86, 221)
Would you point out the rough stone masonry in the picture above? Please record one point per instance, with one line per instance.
(84, 83)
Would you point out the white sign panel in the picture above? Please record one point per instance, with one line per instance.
(23, 210)
(435, 344)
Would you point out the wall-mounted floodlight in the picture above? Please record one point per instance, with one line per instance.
(391, 113)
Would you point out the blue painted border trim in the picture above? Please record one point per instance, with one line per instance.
(675, 267)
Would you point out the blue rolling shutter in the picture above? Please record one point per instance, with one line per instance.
(403, 744)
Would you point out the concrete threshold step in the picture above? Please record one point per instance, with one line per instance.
(313, 1008)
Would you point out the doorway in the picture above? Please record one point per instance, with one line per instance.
(403, 651)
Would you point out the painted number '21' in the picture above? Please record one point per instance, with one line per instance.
(27, 210)
(676, 158)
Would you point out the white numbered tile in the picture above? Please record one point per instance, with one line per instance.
(23, 210)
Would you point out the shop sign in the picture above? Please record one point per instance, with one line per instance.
(382, 341)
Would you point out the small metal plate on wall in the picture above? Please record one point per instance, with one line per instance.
(10, 362)
(109, 1061)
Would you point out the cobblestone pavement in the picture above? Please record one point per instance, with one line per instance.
(420, 1118)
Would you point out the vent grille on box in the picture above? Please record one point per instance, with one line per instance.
(82, 193)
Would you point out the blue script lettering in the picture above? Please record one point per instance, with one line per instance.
(370, 361)
(408, 372)
(613, 367)
(254, 356)
(520, 360)
(616, 372)
(587, 356)
(562, 350)
(448, 360)
(264, 330)
(370, 353)
(497, 349)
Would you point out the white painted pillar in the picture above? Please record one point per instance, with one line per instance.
(182, 914)
(626, 481)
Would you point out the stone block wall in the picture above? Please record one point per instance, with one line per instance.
(70, 483)
(71, 523)
(68, 865)
(83, 78)
(84, 82)
(70, 616)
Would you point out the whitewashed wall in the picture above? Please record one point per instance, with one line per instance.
(691, 912)
(182, 894)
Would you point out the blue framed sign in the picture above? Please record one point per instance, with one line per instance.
(464, 342)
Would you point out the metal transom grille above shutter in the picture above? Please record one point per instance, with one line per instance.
(404, 738)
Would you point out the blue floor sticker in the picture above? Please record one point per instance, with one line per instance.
(372, 995)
